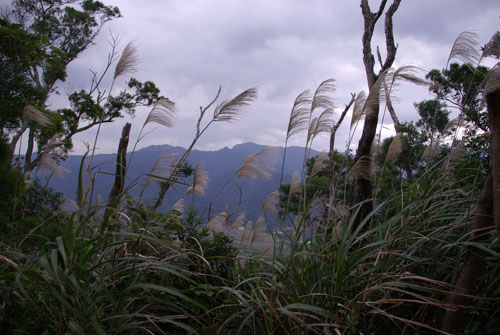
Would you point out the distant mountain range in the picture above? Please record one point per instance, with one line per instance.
(245, 195)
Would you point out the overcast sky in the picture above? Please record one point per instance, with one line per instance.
(190, 48)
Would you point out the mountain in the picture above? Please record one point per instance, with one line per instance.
(245, 195)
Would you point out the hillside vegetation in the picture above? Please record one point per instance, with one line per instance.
(419, 255)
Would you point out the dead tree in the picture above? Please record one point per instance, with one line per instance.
(363, 185)
(121, 167)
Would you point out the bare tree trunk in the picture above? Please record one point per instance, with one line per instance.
(472, 269)
(363, 185)
(487, 213)
(29, 151)
(121, 167)
(493, 103)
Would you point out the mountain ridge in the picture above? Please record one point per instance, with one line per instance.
(239, 196)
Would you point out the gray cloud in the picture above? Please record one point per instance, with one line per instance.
(189, 48)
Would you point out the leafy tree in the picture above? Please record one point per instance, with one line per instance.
(460, 87)
(44, 39)
(433, 117)
(317, 185)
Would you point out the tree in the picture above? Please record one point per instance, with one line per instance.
(433, 117)
(45, 38)
(460, 87)
(363, 186)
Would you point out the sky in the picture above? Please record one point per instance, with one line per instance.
(282, 47)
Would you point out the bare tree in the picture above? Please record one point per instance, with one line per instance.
(363, 187)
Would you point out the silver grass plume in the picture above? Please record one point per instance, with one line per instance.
(406, 73)
(179, 206)
(395, 148)
(48, 157)
(163, 112)
(432, 150)
(317, 206)
(377, 94)
(233, 109)
(258, 165)
(53, 143)
(48, 162)
(322, 98)
(163, 168)
(68, 206)
(31, 113)
(200, 180)
(259, 230)
(337, 231)
(267, 245)
(247, 232)
(492, 48)
(299, 116)
(320, 163)
(358, 110)
(218, 223)
(296, 230)
(457, 152)
(361, 168)
(457, 122)
(492, 80)
(270, 205)
(238, 223)
(323, 124)
(295, 185)
(465, 48)
(394, 77)
(312, 126)
(128, 61)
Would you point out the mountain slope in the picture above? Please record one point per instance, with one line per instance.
(245, 196)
